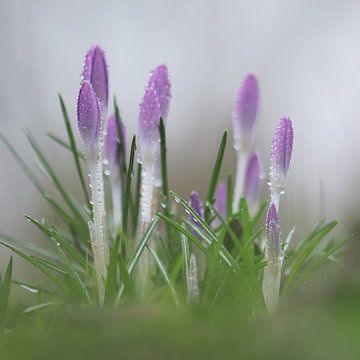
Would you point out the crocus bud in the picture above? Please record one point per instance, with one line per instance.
(273, 256)
(196, 204)
(252, 179)
(159, 81)
(96, 73)
(111, 142)
(89, 119)
(148, 134)
(221, 199)
(280, 155)
(245, 111)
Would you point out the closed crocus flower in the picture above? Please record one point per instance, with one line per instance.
(244, 117)
(90, 124)
(221, 199)
(196, 203)
(245, 111)
(273, 256)
(96, 72)
(89, 120)
(280, 156)
(160, 82)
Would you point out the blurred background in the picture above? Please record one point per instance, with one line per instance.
(305, 54)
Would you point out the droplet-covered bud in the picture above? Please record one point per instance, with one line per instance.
(272, 230)
(111, 141)
(148, 133)
(252, 179)
(159, 81)
(196, 204)
(245, 111)
(221, 199)
(89, 119)
(280, 156)
(96, 73)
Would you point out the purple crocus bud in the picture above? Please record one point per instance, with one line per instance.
(280, 155)
(159, 81)
(245, 111)
(196, 204)
(221, 199)
(96, 73)
(148, 134)
(111, 142)
(89, 119)
(252, 179)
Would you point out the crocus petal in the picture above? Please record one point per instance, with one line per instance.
(252, 178)
(96, 72)
(148, 134)
(111, 142)
(196, 204)
(159, 81)
(280, 155)
(89, 118)
(245, 111)
(221, 199)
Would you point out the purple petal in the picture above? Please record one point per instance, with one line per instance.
(252, 178)
(89, 118)
(111, 142)
(148, 134)
(96, 72)
(272, 229)
(245, 111)
(280, 155)
(221, 199)
(159, 81)
(196, 204)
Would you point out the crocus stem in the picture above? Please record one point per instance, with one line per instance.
(242, 157)
(271, 279)
(275, 199)
(116, 204)
(97, 229)
(192, 281)
(146, 215)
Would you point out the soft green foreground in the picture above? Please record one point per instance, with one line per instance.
(321, 322)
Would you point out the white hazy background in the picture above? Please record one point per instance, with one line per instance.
(306, 55)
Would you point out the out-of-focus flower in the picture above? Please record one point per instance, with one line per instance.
(221, 199)
(245, 111)
(252, 179)
(196, 204)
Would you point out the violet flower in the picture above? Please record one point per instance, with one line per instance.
(160, 82)
(280, 156)
(252, 179)
(221, 199)
(273, 256)
(89, 125)
(244, 116)
(196, 204)
(96, 73)
(148, 145)
(111, 151)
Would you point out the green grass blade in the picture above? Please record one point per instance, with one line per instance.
(111, 278)
(5, 295)
(215, 174)
(164, 171)
(137, 199)
(65, 145)
(165, 275)
(73, 148)
(127, 193)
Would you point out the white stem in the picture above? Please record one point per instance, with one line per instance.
(275, 199)
(116, 196)
(242, 157)
(193, 282)
(271, 279)
(97, 226)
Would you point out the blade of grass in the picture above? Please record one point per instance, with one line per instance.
(65, 145)
(5, 295)
(215, 174)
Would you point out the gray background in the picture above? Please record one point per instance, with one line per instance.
(306, 55)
